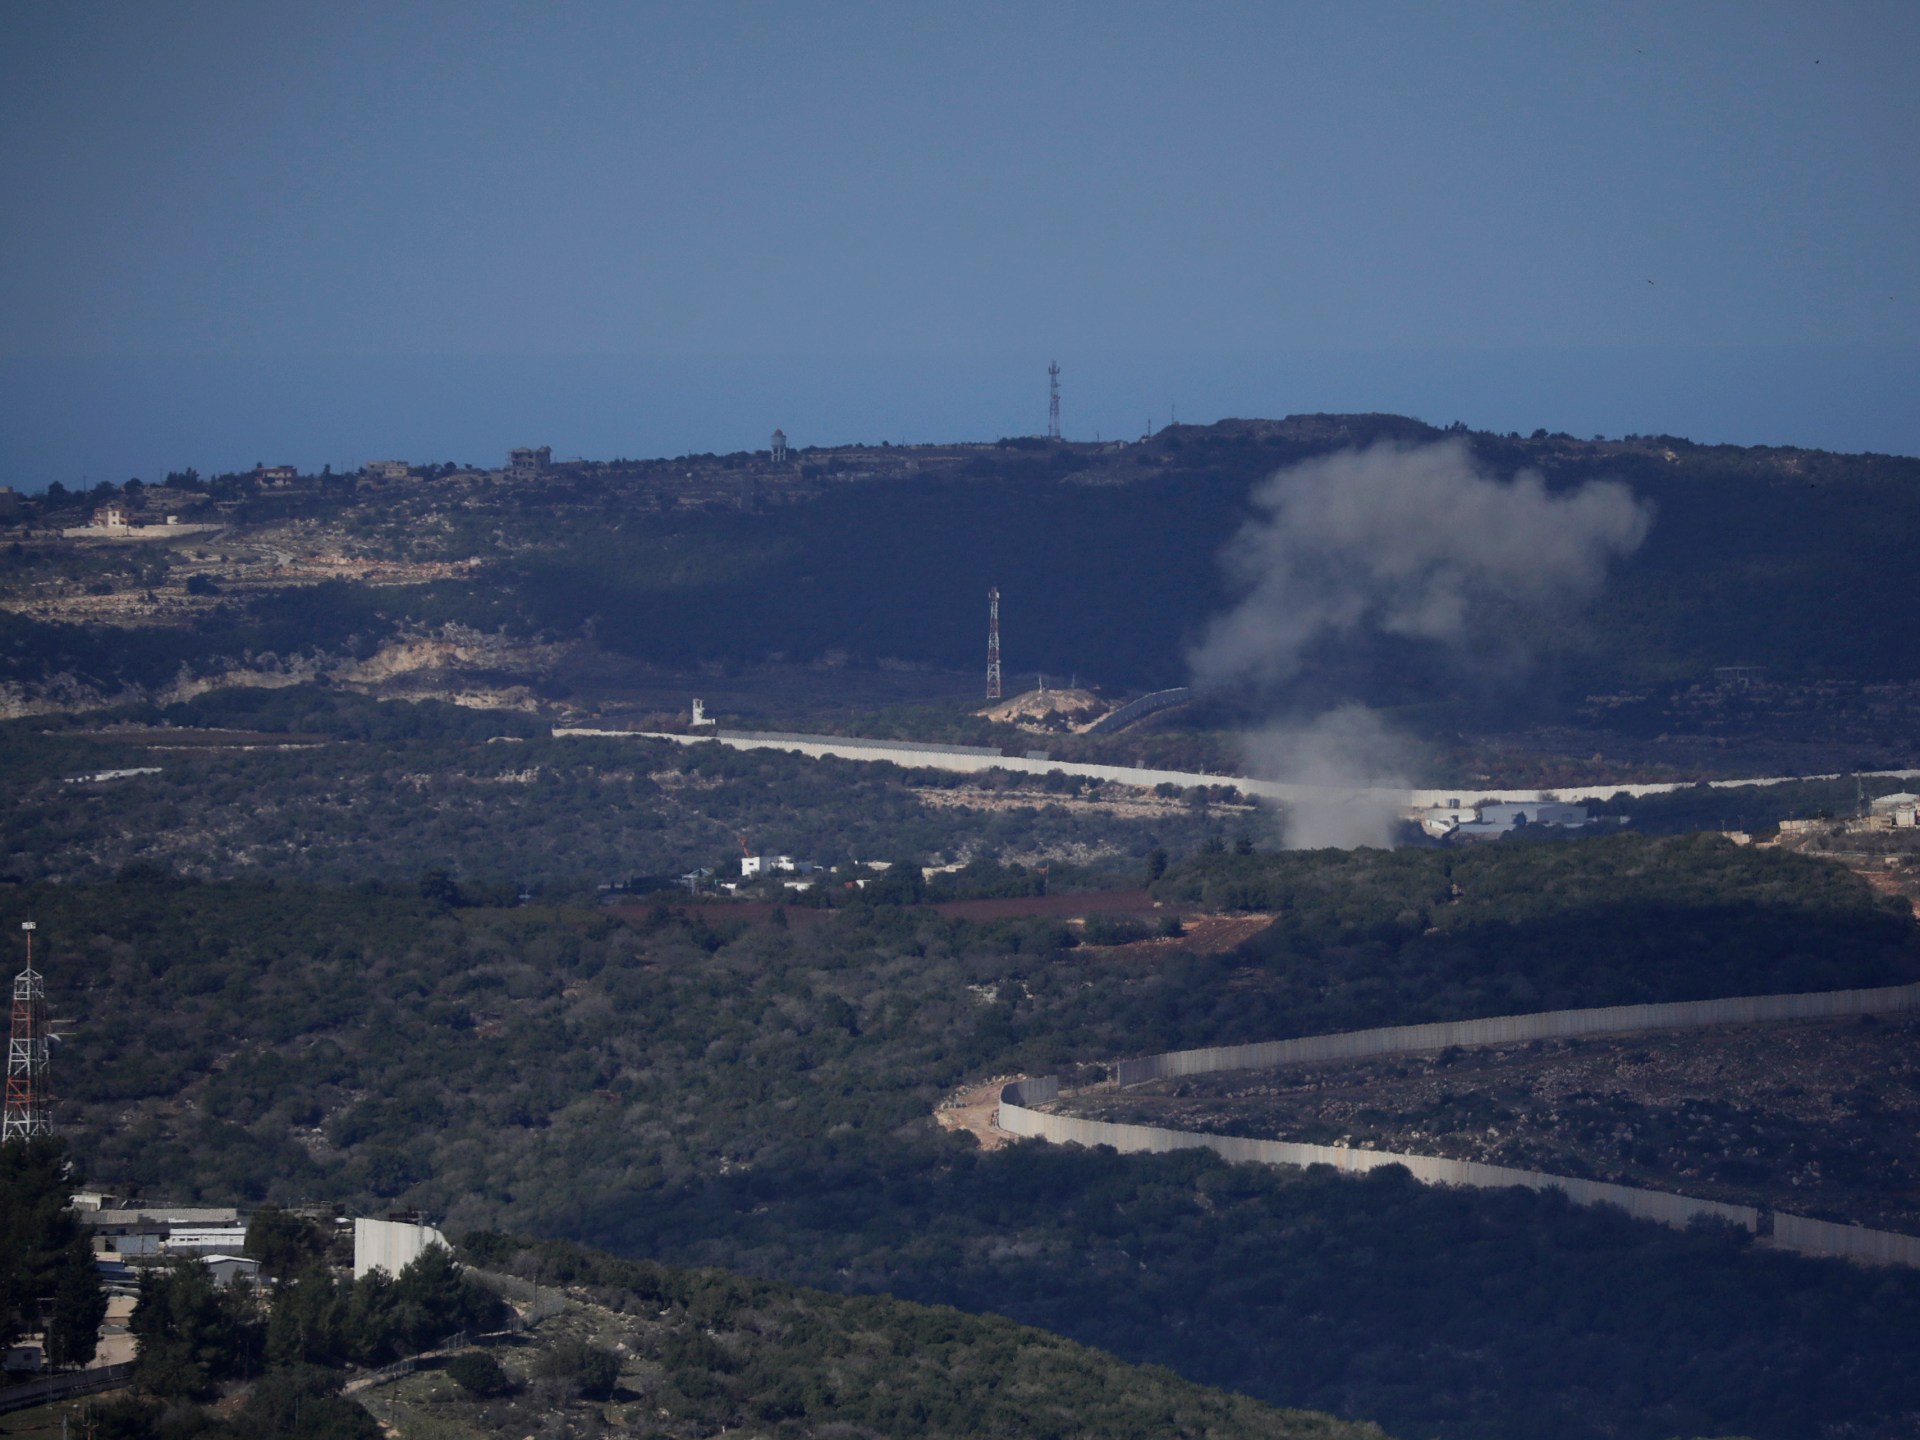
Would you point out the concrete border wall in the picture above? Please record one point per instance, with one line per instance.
(970, 759)
(1783, 1231)
(1658, 1205)
(1849, 1242)
(1519, 1029)
(1777, 1228)
(390, 1245)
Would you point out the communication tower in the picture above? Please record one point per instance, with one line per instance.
(993, 643)
(29, 1103)
(1053, 401)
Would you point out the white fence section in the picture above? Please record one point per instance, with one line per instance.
(1520, 1029)
(390, 1245)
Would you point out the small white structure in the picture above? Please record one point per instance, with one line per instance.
(204, 1239)
(390, 1245)
(700, 716)
(1439, 819)
(779, 447)
(96, 777)
(752, 865)
(386, 470)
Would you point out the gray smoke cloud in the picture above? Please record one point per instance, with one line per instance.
(1412, 541)
(1350, 755)
(1404, 540)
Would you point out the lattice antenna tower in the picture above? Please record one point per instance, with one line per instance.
(1053, 401)
(993, 643)
(29, 1100)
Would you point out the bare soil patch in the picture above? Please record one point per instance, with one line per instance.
(1204, 935)
(973, 1109)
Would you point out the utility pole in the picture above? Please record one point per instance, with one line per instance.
(993, 643)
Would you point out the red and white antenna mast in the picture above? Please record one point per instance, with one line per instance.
(993, 643)
(29, 1105)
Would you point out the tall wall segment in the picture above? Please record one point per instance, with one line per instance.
(1519, 1029)
(1776, 1228)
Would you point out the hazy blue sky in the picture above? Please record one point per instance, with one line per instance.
(332, 232)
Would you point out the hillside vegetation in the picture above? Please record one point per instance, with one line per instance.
(339, 789)
(686, 1089)
(1107, 557)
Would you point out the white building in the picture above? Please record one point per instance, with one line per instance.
(526, 462)
(1901, 811)
(204, 1239)
(1491, 819)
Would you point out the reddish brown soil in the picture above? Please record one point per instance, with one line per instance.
(1205, 935)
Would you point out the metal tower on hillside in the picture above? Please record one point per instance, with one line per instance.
(993, 643)
(1053, 401)
(29, 1104)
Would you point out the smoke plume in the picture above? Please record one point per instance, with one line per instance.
(1404, 541)
(1354, 761)
(1408, 541)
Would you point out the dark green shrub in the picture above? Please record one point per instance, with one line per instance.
(478, 1373)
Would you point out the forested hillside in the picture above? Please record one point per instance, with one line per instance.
(683, 1088)
(1107, 558)
(312, 784)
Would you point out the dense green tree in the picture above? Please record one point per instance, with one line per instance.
(302, 1403)
(308, 1319)
(478, 1373)
(46, 1261)
(284, 1243)
(192, 1333)
(433, 1299)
